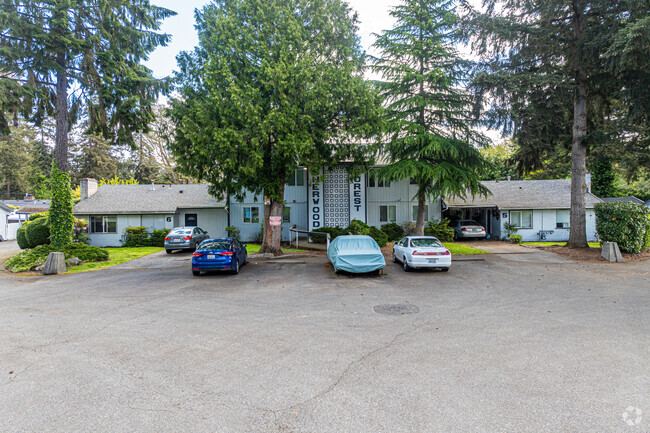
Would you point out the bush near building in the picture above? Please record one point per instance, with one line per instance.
(394, 231)
(38, 232)
(139, 237)
(440, 229)
(625, 223)
(28, 259)
(21, 237)
(356, 227)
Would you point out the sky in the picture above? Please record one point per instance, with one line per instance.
(373, 16)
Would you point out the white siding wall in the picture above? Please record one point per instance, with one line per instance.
(124, 221)
(545, 219)
(400, 194)
(4, 224)
(214, 221)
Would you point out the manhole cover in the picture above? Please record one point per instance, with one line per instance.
(396, 309)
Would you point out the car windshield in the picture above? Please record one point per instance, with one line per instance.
(215, 245)
(425, 242)
(469, 223)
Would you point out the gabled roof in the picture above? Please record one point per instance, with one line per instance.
(142, 199)
(5, 207)
(33, 209)
(630, 199)
(525, 194)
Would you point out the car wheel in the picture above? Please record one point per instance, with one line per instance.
(394, 258)
(455, 236)
(236, 270)
(406, 266)
(196, 273)
(168, 251)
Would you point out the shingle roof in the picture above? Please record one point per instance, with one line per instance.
(33, 209)
(525, 194)
(630, 199)
(5, 207)
(141, 199)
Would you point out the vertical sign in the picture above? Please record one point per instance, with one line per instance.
(358, 198)
(315, 204)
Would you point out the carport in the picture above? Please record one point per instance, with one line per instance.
(487, 216)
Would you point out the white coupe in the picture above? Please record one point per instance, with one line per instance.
(421, 252)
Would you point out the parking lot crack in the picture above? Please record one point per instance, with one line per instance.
(353, 364)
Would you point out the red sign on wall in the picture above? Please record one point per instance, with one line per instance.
(275, 220)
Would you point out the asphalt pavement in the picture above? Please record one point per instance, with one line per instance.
(492, 346)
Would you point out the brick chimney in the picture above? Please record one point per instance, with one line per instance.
(88, 187)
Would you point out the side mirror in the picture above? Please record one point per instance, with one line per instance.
(243, 245)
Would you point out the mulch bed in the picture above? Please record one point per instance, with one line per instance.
(591, 254)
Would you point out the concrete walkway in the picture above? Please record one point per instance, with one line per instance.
(8, 249)
(518, 253)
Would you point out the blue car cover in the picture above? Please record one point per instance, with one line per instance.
(355, 253)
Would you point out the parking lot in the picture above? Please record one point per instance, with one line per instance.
(495, 345)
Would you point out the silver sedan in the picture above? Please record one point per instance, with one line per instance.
(464, 229)
(184, 238)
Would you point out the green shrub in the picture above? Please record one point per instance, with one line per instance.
(259, 237)
(510, 228)
(380, 237)
(233, 232)
(61, 217)
(28, 259)
(393, 231)
(136, 237)
(625, 223)
(37, 215)
(440, 229)
(21, 237)
(38, 232)
(157, 237)
(358, 227)
(333, 231)
(516, 238)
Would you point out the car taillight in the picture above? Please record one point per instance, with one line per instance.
(464, 229)
(187, 238)
(227, 253)
(197, 254)
(168, 238)
(446, 253)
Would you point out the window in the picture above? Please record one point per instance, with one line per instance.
(562, 219)
(297, 178)
(522, 219)
(387, 214)
(372, 182)
(252, 215)
(286, 214)
(426, 213)
(103, 224)
(190, 220)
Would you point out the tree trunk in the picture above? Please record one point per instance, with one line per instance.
(419, 224)
(61, 115)
(273, 234)
(578, 230)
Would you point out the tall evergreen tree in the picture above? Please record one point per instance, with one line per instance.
(550, 77)
(273, 84)
(429, 113)
(64, 57)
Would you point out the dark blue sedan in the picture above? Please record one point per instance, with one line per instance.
(219, 255)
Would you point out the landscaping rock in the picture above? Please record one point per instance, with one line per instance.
(611, 252)
(55, 264)
(73, 261)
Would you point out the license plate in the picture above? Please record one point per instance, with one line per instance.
(211, 256)
(177, 240)
(432, 260)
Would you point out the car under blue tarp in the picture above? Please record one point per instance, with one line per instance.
(355, 253)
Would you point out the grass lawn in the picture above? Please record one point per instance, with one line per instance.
(117, 256)
(462, 250)
(252, 249)
(561, 244)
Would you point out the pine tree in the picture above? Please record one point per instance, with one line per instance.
(65, 57)
(565, 73)
(429, 114)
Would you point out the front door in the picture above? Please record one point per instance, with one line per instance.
(190, 220)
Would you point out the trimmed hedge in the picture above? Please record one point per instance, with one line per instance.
(395, 232)
(38, 232)
(356, 227)
(625, 223)
(333, 231)
(139, 237)
(28, 259)
(440, 229)
(36, 215)
(157, 238)
(515, 238)
(21, 237)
